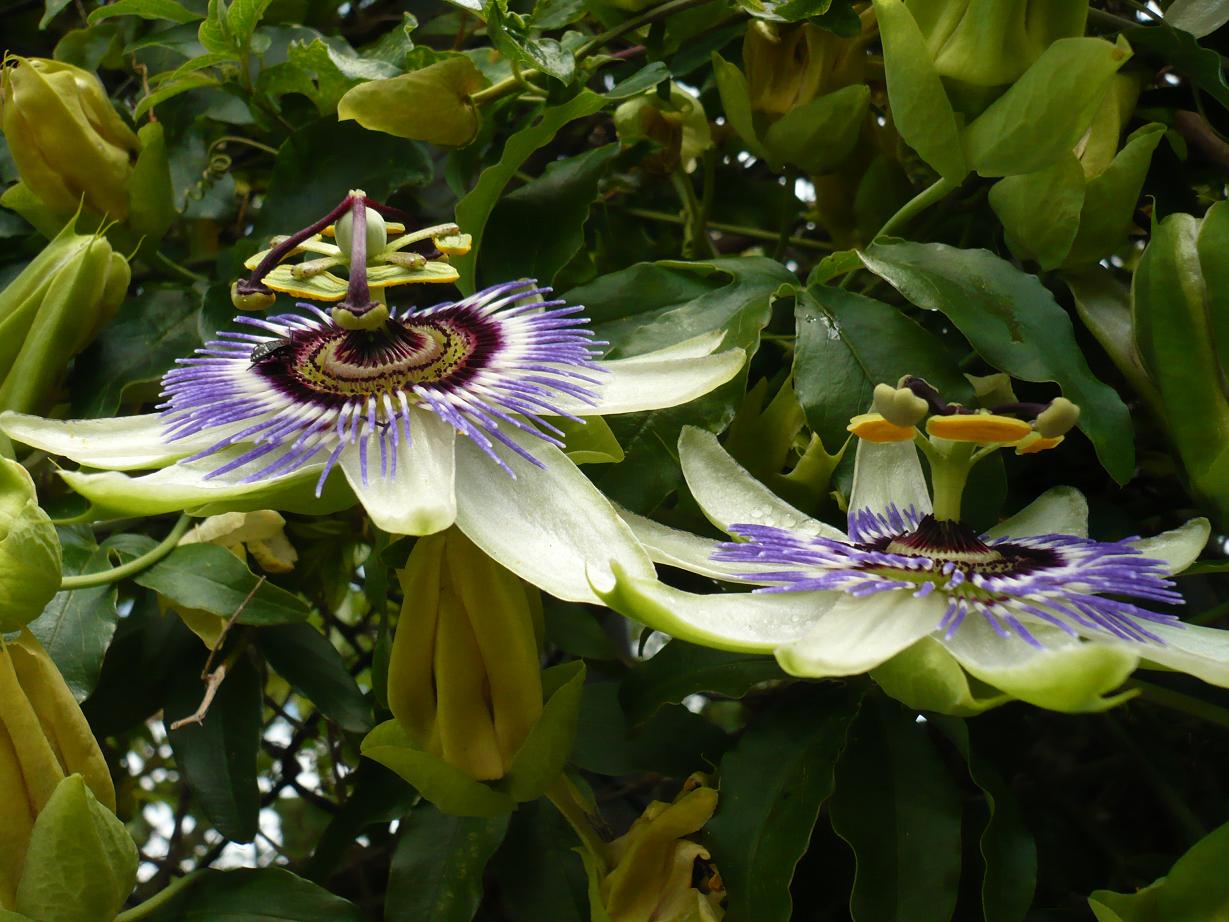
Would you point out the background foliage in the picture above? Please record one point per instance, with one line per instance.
(730, 192)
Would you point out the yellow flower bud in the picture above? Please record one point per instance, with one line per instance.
(872, 427)
(464, 679)
(66, 138)
(983, 428)
(789, 65)
(679, 127)
(652, 876)
(52, 311)
(29, 551)
(44, 738)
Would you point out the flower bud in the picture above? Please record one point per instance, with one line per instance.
(789, 65)
(992, 42)
(29, 551)
(44, 738)
(679, 127)
(52, 311)
(464, 680)
(652, 876)
(67, 140)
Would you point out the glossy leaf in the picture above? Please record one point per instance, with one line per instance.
(249, 895)
(432, 104)
(305, 658)
(681, 669)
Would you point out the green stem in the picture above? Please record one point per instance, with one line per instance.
(631, 25)
(160, 260)
(916, 205)
(697, 243)
(787, 216)
(948, 475)
(1177, 701)
(136, 565)
(755, 233)
(159, 899)
(567, 801)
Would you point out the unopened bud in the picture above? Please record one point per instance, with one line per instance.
(1058, 418)
(29, 551)
(679, 127)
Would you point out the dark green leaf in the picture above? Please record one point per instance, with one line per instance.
(539, 875)
(212, 579)
(265, 895)
(304, 658)
(1015, 324)
(1202, 66)
(167, 10)
(899, 810)
(772, 786)
(436, 875)
(680, 669)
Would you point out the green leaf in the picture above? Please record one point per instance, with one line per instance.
(681, 669)
(820, 135)
(378, 797)
(1044, 114)
(248, 895)
(1015, 324)
(214, 33)
(921, 110)
(772, 786)
(1202, 66)
(519, 244)
(243, 17)
(432, 104)
(474, 210)
(80, 864)
(305, 658)
(77, 625)
(324, 160)
(1007, 847)
(848, 343)
(899, 810)
(212, 579)
(736, 100)
(538, 874)
(218, 756)
(510, 37)
(167, 10)
(449, 788)
(151, 197)
(171, 90)
(437, 867)
(1198, 17)
(1041, 211)
(541, 759)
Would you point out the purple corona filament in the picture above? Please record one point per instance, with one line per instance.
(1066, 581)
(302, 388)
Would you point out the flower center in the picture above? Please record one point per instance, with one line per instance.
(951, 542)
(333, 365)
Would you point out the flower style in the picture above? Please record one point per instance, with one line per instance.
(942, 617)
(262, 418)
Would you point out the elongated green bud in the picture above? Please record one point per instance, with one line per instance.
(29, 550)
(66, 138)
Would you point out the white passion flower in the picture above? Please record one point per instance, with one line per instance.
(449, 414)
(942, 617)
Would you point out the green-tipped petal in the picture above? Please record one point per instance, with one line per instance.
(857, 634)
(738, 621)
(127, 443)
(1179, 547)
(1199, 651)
(418, 498)
(728, 495)
(545, 524)
(652, 382)
(1068, 675)
(1057, 511)
(887, 474)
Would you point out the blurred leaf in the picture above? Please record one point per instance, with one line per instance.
(541, 758)
(76, 627)
(474, 210)
(249, 895)
(432, 104)
(1040, 211)
(437, 868)
(218, 756)
(151, 198)
(1015, 324)
(212, 579)
(166, 10)
(1104, 305)
(538, 874)
(519, 244)
(899, 810)
(1198, 17)
(305, 658)
(681, 669)
(821, 134)
(377, 796)
(575, 629)
(848, 343)
(772, 786)
(1202, 66)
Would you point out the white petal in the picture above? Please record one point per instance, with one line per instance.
(857, 635)
(1200, 651)
(648, 382)
(694, 348)
(1179, 547)
(684, 550)
(740, 621)
(1068, 675)
(419, 498)
(125, 443)
(887, 474)
(728, 495)
(547, 524)
(1057, 511)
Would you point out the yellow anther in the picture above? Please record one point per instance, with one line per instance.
(454, 244)
(1058, 418)
(899, 405)
(1035, 442)
(983, 428)
(874, 428)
